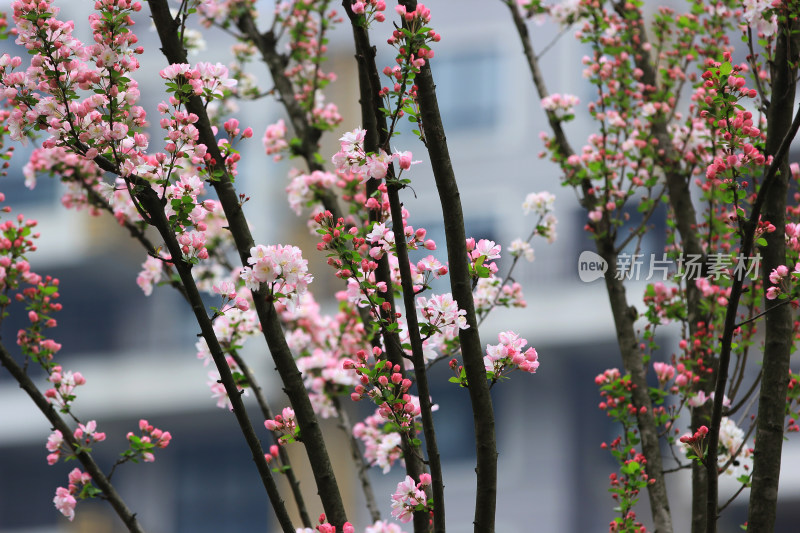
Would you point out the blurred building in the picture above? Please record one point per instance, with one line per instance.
(138, 355)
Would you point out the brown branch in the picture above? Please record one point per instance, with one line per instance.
(309, 136)
(377, 136)
(778, 322)
(461, 287)
(266, 412)
(294, 387)
(85, 458)
(150, 201)
(624, 315)
(362, 468)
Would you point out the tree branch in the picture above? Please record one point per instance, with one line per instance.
(98, 477)
(294, 387)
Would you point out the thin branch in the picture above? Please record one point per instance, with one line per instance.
(362, 468)
(307, 421)
(266, 412)
(759, 315)
(98, 477)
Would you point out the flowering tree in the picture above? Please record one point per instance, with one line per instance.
(721, 164)
(80, 102)
(175, 193)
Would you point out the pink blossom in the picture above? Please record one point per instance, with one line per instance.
(442, 312)
(274, 140)
(664, 371)
(773, 293)
(54, 441)
(406, 499)
(508, 355)
(698, 399)
(65, 503)
(559, 102)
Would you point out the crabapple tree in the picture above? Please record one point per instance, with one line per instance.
(679, 118)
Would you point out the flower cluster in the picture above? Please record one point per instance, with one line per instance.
(302, 188)
(626, 486)
(479, 254)
(209, 80)
(84, 436)
(792, 403)
(371, 9)
(734, 456)
(281, 268)
(80, 484)
(62, 394)
(286, 424)
(384, 384)
(410, 497)
(325, 527)
(760, 16)
(616, 391)
(142, 446)
(352, 158)
(106, 120)
(563, 103)
(779, 279)
(664, 372)
(441, 315)
(491, 292)
(383, 527)
(507, 356)
(321, 343)
(663, 303)
(381, 444)
(695, 442)
(275, 140)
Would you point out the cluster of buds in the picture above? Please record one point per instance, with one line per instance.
(371, 9)
(286, 424)
(325, 527)
(143, 446)
(65, 382)
(617, 393)
(384, 384)
(695, 442)
(793, 403)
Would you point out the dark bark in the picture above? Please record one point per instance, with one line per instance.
(685, 217)
(151, 203)
(426, 409)
(730, 319)
(778, 319)
(624, 318)
(730, 326)
(266, 412)
(376, 138)
(303, 130)
(461, 287)
(311, 433)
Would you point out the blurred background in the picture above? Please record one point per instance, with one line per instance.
(137, 353)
